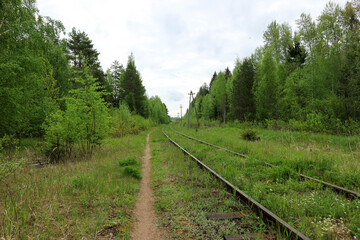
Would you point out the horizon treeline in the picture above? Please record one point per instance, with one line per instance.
(307, 79)
(45, 78)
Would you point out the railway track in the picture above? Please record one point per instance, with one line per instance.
(348, 193)
(269, 217)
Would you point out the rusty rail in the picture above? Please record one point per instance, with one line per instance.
(346, 192)
(263, 212)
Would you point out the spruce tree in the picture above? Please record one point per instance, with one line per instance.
(132, 92)
(242, 96)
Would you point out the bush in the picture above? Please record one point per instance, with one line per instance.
(131, 171)
(315, 122)
(85, 120)
(8, 145)
(127, 162)
(250, 135)
(275, 124)
(124, 123)
(296, 125)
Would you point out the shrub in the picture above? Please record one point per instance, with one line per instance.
(131, 171)
(8, 145)
(250, 135)
(275, 124)
(85, 120)
(127, 162)
(315, 122)
(296, 125)
(125, 123)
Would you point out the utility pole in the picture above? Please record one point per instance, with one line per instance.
(191, 95)
(180, 112)
(197, 119)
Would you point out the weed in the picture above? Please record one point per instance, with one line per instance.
(73, 200)
(130, 171)
(128, 162)
(250, 135)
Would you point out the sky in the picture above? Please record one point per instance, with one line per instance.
(177, 44)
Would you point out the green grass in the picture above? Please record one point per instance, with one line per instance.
(82, 198)
(184, 194)
(318, 213)
(128, 162)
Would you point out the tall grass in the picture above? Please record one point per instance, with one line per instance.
(319, 213)
(88, 198)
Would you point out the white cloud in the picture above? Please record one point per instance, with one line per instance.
(177, 44)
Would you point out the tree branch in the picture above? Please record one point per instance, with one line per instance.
(4, 32)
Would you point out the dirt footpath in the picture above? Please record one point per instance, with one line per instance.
(144, 213)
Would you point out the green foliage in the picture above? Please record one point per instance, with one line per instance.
(242, 96)
(266, 88)
(315, 122)
(9, 160)
(8, 145)
(132, 92)
(81, 181)
(208, 110)
(133, 172)
(124, 123)
(218, 91)
(114, 76)
(250, 134)
(81, 50)
(128, 162)
(308, 79)
(28, 89)
(158, 111)
(85, 120)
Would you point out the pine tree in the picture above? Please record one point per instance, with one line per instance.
(81, 50)
(116, 70)
(82, 53)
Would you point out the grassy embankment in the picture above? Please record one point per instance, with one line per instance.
(318, 213)
(184, 194)
(82, 198)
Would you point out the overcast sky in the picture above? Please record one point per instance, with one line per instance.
(177, 44)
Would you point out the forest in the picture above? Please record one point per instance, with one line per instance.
(52, 86)
(307, 79)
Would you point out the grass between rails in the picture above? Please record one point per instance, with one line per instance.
(335, 159)
(184, 194)
(84, 199)
(318, 213)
